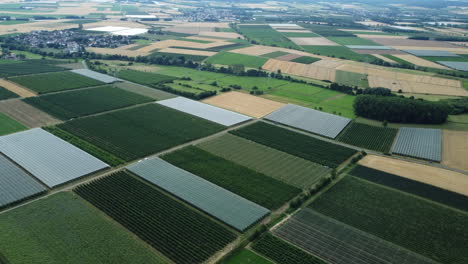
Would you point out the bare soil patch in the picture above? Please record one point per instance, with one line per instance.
(26, 114)
(455, 149)
(442, 178)
(17, 89)
(244, 103)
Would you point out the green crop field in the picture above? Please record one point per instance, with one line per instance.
(275, 54)
(353, 41)
(282, 252)
(352, 79)
(177, 231)
(327, 31)
(145, 78)
(424, 227)
(141, 131)
(245, 256)
(369, 137)
(27, 67)
(63, 228)
(54, 82)
(243, 181)
(299, 34)
(297, 144)
(339, 52)
(8, 125)
(228, 58)
(305, 60)
(264, 34)
(6, 94)
(86, 102)
(287, 168)
(461, 58)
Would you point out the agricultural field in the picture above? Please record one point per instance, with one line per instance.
(16, 89)
(369, 137)
(144, 90)
(144, 78)
(79, 103)
(287, 168)
(266, 35)
(9, 125)
(180, 233)
(27, 67)
(305, 60)
(54, 82)
(26, 114)
(351, 79)
(353, 41)
(455, 149)
(245, 256)
(306, 147)
(339, 52)
(421, 143)
(141, 131)
(399, 218)
(228, 58)
(37, 231)
(336, 242)
(283, 252)
(6, 94)
(252, 185)
(275, 54)
(423, 190)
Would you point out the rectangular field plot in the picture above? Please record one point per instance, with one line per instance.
(54, 82)
(26, 114)
(63, 228)
(369, 137)
(423, 190)
(6, 94)
(244, 103)
(15, 184)
(205, 111)
(457, 65)
(145, 78)
(180, 233)
(405, 220)
(283, 252)
(47, 157)
(306, 147)
(455, 149)
(27, 67)
(141, 131)
(8, 125)
(228, 58)
(208, 197)
(338, 243)
(280, 165)
(421, 143)
(85, 102)
(251, 185)
(310, 120)
(96, 75)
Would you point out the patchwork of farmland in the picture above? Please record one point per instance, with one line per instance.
(306, 147)
(399, 218)
(95, 75)
(144, 78)
(180, 233)
(212, 199)
(282, 166)
(141, 131)
(79, 103)
(54, 82)
(369, 137)
(36, 233)
(252, 185)
(322, 236)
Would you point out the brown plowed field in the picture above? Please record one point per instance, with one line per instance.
(244, 103)
(26, 114)
(442, 178)
(17, 89)
(455, 149)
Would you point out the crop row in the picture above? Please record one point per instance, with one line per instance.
(282, 252)
(27, 67)
(369, 137)
(297, 144)
(173, 229)
(245, 182)
(414, 187)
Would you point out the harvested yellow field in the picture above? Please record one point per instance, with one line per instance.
(42, 25)
(180, 43)
(419, 61)
(383, 58)
(442, 178)
(313, 41)
(188, 52)
(226, 35)
(258, 50)
(17, 89)
(299, 69)
(244, 103)
(455, 149)
(118, 51)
